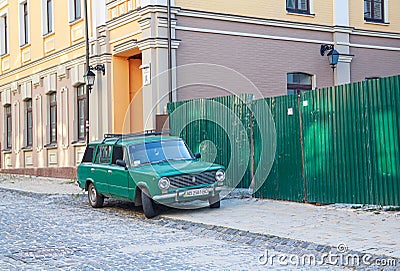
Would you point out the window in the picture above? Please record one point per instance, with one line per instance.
(158, 151)
(25, 24)
(8, 126)
(29, 122)
(298, 82)
(47, 9)
(374, 10)
(118, 154)
(298, 6)
(75, 12)
(4, 34)
(53, 118)
(88, 156)
(103, 155)
(81, 100)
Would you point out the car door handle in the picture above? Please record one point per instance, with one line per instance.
(92, 169)
(109, 171)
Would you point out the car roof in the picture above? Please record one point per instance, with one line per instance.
(124, 141)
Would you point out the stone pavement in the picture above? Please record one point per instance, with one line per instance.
(286, 225)
(62, 232)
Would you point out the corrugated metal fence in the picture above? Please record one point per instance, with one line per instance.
(338, 144)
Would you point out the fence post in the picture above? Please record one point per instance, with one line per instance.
(302, 147)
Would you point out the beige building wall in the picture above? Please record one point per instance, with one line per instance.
(50, 62)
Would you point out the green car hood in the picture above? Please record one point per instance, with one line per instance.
(172, 168)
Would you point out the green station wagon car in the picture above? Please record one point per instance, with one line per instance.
(148, 169)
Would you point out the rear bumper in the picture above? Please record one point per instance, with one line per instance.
(179, 195)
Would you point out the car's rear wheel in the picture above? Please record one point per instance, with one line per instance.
(96, 200)
(149, 206)
(215, 201)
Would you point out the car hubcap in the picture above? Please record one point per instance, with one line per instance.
(92, 194)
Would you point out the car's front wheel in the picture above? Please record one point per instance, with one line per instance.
(149, 206)
(96, 200)
(214, 202)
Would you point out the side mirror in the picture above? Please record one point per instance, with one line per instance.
(197, 155)
(121, 163)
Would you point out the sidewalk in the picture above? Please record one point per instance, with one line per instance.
(375, 232)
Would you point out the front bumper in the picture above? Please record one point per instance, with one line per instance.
(178, 195)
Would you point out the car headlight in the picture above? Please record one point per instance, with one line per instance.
(220, 175)
(163, 183)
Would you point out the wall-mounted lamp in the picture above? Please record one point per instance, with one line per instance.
(333, 55)
(98, 67)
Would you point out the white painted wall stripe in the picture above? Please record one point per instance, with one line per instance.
(252, 35)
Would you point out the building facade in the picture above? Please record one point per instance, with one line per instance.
(42, 118)
(217, 48)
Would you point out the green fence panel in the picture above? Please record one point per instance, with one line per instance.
(351, 143)
(285, 179)
(218, 128)
(338, 144)
(383, 99)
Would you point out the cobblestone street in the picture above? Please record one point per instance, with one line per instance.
(61, 232)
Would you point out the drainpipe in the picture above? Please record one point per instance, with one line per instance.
(87, 68)
(169, 51)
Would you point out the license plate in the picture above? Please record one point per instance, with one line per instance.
(196, 192)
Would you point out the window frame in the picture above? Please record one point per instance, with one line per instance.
(53, 122)
(49, 19)
(4, 34)
(299, 87)
(29, 122)
(79, 99)
(372, 18)
(8, 124)
(296, 9)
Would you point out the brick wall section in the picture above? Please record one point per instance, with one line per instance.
(264, 62)
(62, 172)
(370, 63)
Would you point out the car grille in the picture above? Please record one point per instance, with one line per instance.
(185, 180)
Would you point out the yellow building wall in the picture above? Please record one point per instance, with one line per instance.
(136, 95)
(125, 32)
(357, 17)
(262, 9)
(63, 36)
(120, 94)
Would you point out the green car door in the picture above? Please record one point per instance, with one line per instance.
(118, 176)
(99, 169)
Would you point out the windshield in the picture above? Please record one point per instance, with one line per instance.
(158, 151)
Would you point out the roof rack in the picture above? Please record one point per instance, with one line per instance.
(125, 136)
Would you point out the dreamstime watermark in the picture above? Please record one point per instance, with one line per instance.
(342, 258)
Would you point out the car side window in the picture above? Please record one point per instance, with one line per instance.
(103, 155)
(88, 156)
(118, 154)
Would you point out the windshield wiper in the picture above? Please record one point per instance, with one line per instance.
(172, 159)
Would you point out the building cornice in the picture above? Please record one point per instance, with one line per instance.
(251, 35)
(124, 19)
(252, 20)
(137, 14)
(43, 60)
(157, 43)
(3, 3)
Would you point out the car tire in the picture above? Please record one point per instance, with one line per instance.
(149, 206)
(96, 200)
(214, 202)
